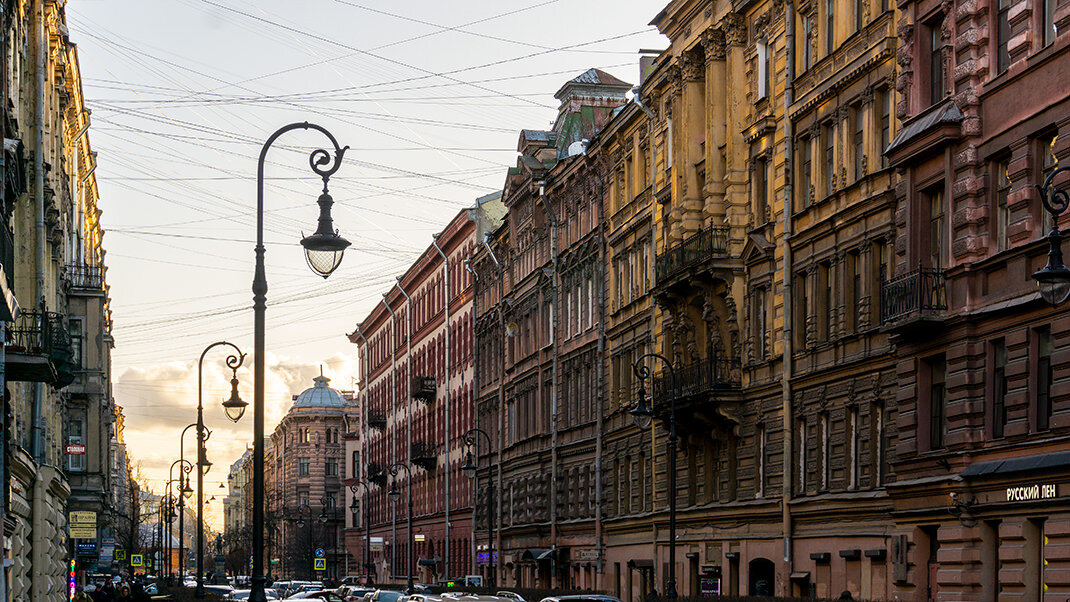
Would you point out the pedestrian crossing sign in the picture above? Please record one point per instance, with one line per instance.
(136, 560)
(120, 554)
(321, 564)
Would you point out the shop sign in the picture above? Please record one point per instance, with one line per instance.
(83, 532)
(1031, 492)
(709, 585)
(82, 517)
(483, 557)
(419, 537)
(86, 548)
(587, 555)
(75, 449)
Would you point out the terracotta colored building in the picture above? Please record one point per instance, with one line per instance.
(304, 492)
(416, 404)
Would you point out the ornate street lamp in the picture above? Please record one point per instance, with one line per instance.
(323, 251)
(367, 524)
(234, 361)
(394, 493)
(186, 467)
(1054, 278)
(470, 468)
(643, 416)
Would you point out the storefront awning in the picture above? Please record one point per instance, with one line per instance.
(1049, 461)
(537, 554)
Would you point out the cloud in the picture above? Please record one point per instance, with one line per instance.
(160, 400)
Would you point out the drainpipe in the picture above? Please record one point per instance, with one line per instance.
(600, 393)
(449, 368)
(409, 403)
(476, 384)
(789, 308)
(364, 431)
(37, 445)
(501, 403)
(393, 404)
(554, 384)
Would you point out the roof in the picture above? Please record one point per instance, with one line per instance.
(946, 114)
(593, 77)
(319, 396)
(1039, 462)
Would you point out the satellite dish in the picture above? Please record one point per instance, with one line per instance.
(576, 148)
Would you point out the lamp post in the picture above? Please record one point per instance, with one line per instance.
(184, 492)
(643, 415)
(394, 493)
(300, 522)
(324, 519)
(234, 408)
(1054, 278)
(367, 524)
(471, 466)
(323, 252)
(182, 508)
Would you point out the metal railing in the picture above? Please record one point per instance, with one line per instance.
(711, 241)
(85, 277)
(38, 333)
(919, 292)
(7, 255)
(704, 376)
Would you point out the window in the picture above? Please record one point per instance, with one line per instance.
(802, 310)
(807, 37)
(881, 272)
(302, 467)
(759, 460)
(854, 272)
(937, 229)
(800, 433)
(762, 77)
(1003, 36)
(852, 447)
(860, 14)
(998, 357)
(937, 402)
(1049, 162)
(877, 455)
(829, 140)
(331, 467)
(302, 498)
(1048, 21)
(1003, 188)
(1034, 554)
(806, 173)
(331, 500)
(823, 441)
(859, 141)
(302, 435)
(76, 435)
(1044, 377)
(936, 64)
(830, 26)
(760, 188)
(74, 327)
(885, 97)
(828, 302)
(355, 471)
(761, 334)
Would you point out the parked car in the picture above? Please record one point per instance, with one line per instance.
(386, 595)
(511, 596)
(352, 593)
(582, 598)
(326, 595)
(221, 590)
(243, 594)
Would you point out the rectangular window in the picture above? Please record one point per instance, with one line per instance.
(878, 457)
(762, 77)
(998, 351)
(860, 14)
(74, 328)
(826, 448)
(759, 460)
(800, 433)
(807, 38)
(806, 173)
(937, 229)
(1003, 188)
(303, 467)
(886, 123)
(828, 302)
(830, 26)
(331, 467)
(1003, 36)
(829, 140)
(302, 498)
(937, 368)
(852, 447)
(854, 266)
(76, 435)
(859, 141)
(936, 64)
(1049, 163)
(1044, 377)
(761, 335)
(881, 272)
(355, 471)
(802, 309)
(761, 190)
(1048, 21)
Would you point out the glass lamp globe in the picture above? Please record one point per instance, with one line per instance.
(324, 248)
(469, 466)
(642, 414)
(1054, 283)
(394, 492)
(235, 406)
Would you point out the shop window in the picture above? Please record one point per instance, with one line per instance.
(998, 373)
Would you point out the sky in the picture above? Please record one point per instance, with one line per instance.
(429, 96)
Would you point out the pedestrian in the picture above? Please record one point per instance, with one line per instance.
(652, 596)
(846, 595)
(124, 593)
(80, 595)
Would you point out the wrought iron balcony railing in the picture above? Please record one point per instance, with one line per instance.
(705, 376)
(43, 335)
(84, 277)
(707, 243)
(424, 388)
(922, 291)
(424, 455)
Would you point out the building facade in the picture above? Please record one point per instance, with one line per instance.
(416, 405)
(304, 493)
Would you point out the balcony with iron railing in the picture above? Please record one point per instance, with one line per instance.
(706, 244)
(86, 278)
(698, 380)
(918, 294)
(424, 455)
(39, 349)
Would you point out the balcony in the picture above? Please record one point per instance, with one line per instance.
(39, 349)
(424, 388)
(424, 455)
(85, 278)
(702, 378)
(376, 474)
(919, 294)
(377, 420)
(701, 246)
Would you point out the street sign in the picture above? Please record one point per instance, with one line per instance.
(321, 564)
(376, 547)
(75, 449)
(83, 532)
(419, 537)
(120, 554)
(320, 553)
(137, 560)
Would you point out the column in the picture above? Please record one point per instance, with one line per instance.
(693, 128)
(716, 124)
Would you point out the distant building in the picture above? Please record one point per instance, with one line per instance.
(303, 489)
